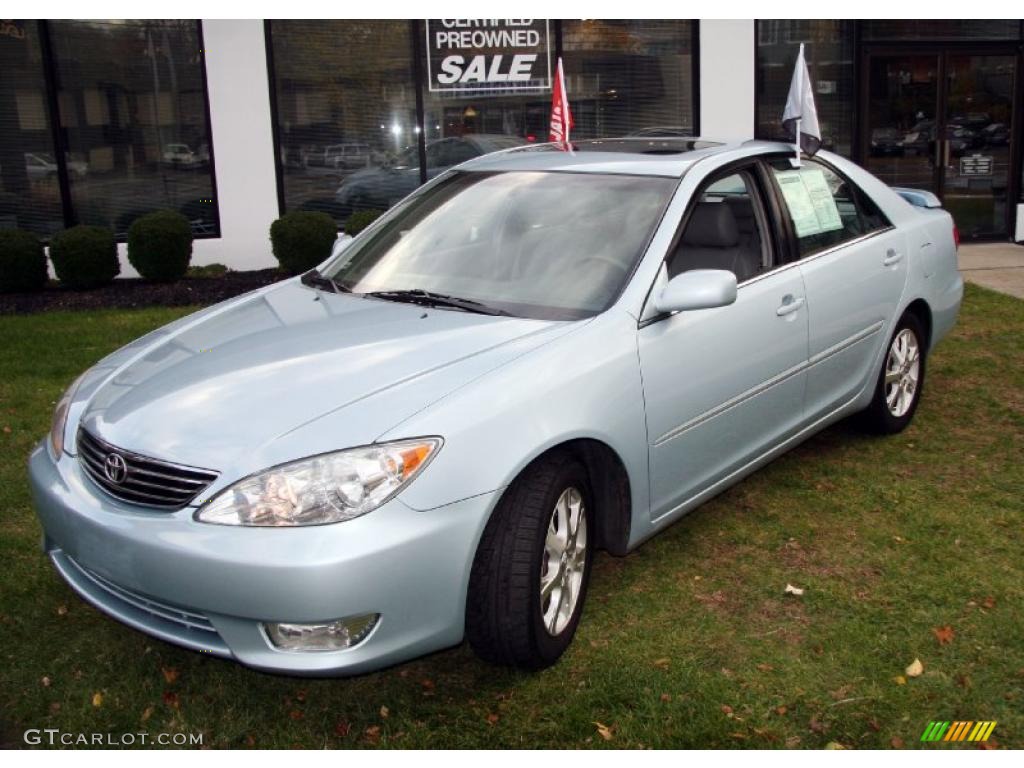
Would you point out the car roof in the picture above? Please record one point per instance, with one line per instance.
(647, 155)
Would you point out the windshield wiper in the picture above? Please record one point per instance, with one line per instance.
(315, 279)
(430, 299)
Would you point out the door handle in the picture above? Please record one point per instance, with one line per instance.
(789, 305)
(892, 256)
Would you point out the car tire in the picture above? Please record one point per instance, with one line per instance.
(900, 381)
(509, 620)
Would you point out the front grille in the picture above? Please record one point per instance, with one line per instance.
(146, 481)
(187, 620)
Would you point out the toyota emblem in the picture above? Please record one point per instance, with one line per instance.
(115, 468)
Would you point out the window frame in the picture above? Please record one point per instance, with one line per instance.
(785, 220)
(765, 205)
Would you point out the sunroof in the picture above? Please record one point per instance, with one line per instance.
(646, 145)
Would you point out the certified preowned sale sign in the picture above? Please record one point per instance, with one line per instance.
(488, 54)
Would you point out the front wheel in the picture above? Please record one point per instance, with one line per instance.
(900, 381)
(531, 570)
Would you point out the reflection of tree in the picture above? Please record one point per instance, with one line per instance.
(342, 79)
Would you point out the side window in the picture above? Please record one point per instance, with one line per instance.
(725, 230)
(826, 209)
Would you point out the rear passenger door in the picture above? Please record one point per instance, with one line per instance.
(724, 385)
(854, 266)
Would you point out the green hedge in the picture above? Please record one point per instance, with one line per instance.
(22, 261)
(160, 246)
(85, 256)
(360, 220)
(302, 239)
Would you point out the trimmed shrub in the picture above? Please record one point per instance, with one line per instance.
(22, 261)
(302, 239)
(85, 256)
(160, 246)
(360, 220)
(207, 271)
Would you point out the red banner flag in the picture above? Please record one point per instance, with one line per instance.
(561, 115)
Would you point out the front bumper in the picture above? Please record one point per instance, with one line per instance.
(210, 587)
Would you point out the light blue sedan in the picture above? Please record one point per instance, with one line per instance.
(537, 355)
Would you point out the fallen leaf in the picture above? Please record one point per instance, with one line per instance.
(989, 745)
(384, 712)
(666, 697)
(874, 725)
(170, 674)
(765, 667)
(62, 610)
(989, 602)
(915, 669)
(781, 710)
(97, 699)
(816, 725)
(427, 684)
(896, 742)
(372, 733)
(46, 682)
(791, 590)
(493, 718)
(147, 713)
(342, 728)
(943, 634)
(300, 696)
(171, 699)
(662, 663)
(900, 680)
(295, 714)
(727, 709)
(834, 745)
(7, 430)
(604, 731)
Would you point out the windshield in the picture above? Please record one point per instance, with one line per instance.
(543, 245)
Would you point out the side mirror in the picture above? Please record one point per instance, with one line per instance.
(697, 289)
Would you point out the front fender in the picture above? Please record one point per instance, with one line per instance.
(585, 384)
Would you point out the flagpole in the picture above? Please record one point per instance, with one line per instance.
(800, 59)
(796, 160)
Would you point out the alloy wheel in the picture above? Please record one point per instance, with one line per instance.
(902, 372)
(564, 561)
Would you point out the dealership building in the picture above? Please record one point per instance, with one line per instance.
(235, 122)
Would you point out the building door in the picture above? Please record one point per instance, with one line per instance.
(942, 119)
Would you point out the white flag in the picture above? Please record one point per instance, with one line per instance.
(800, 118)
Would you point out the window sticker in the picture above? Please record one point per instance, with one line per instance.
(810, 201)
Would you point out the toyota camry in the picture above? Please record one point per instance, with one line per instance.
(537, 355)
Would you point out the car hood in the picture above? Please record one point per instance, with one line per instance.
(289, 372)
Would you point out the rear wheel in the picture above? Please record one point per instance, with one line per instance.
(531, 570)
(900, 381)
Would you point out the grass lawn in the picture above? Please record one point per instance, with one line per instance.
(688, 642)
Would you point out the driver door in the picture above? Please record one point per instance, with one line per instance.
(723, 385)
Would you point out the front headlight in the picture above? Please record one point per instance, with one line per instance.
(60, 418)
(328, 488)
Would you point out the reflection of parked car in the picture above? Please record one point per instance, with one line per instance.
(182, 156)
(886, 142)
(381, 187)
(995, 135)
(347, 156)
(39, 165)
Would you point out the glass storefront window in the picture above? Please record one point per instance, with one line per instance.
(29, 190)
(829, 50)
(629, 77)
(132, 107)
(941, 29)
(346, 114)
